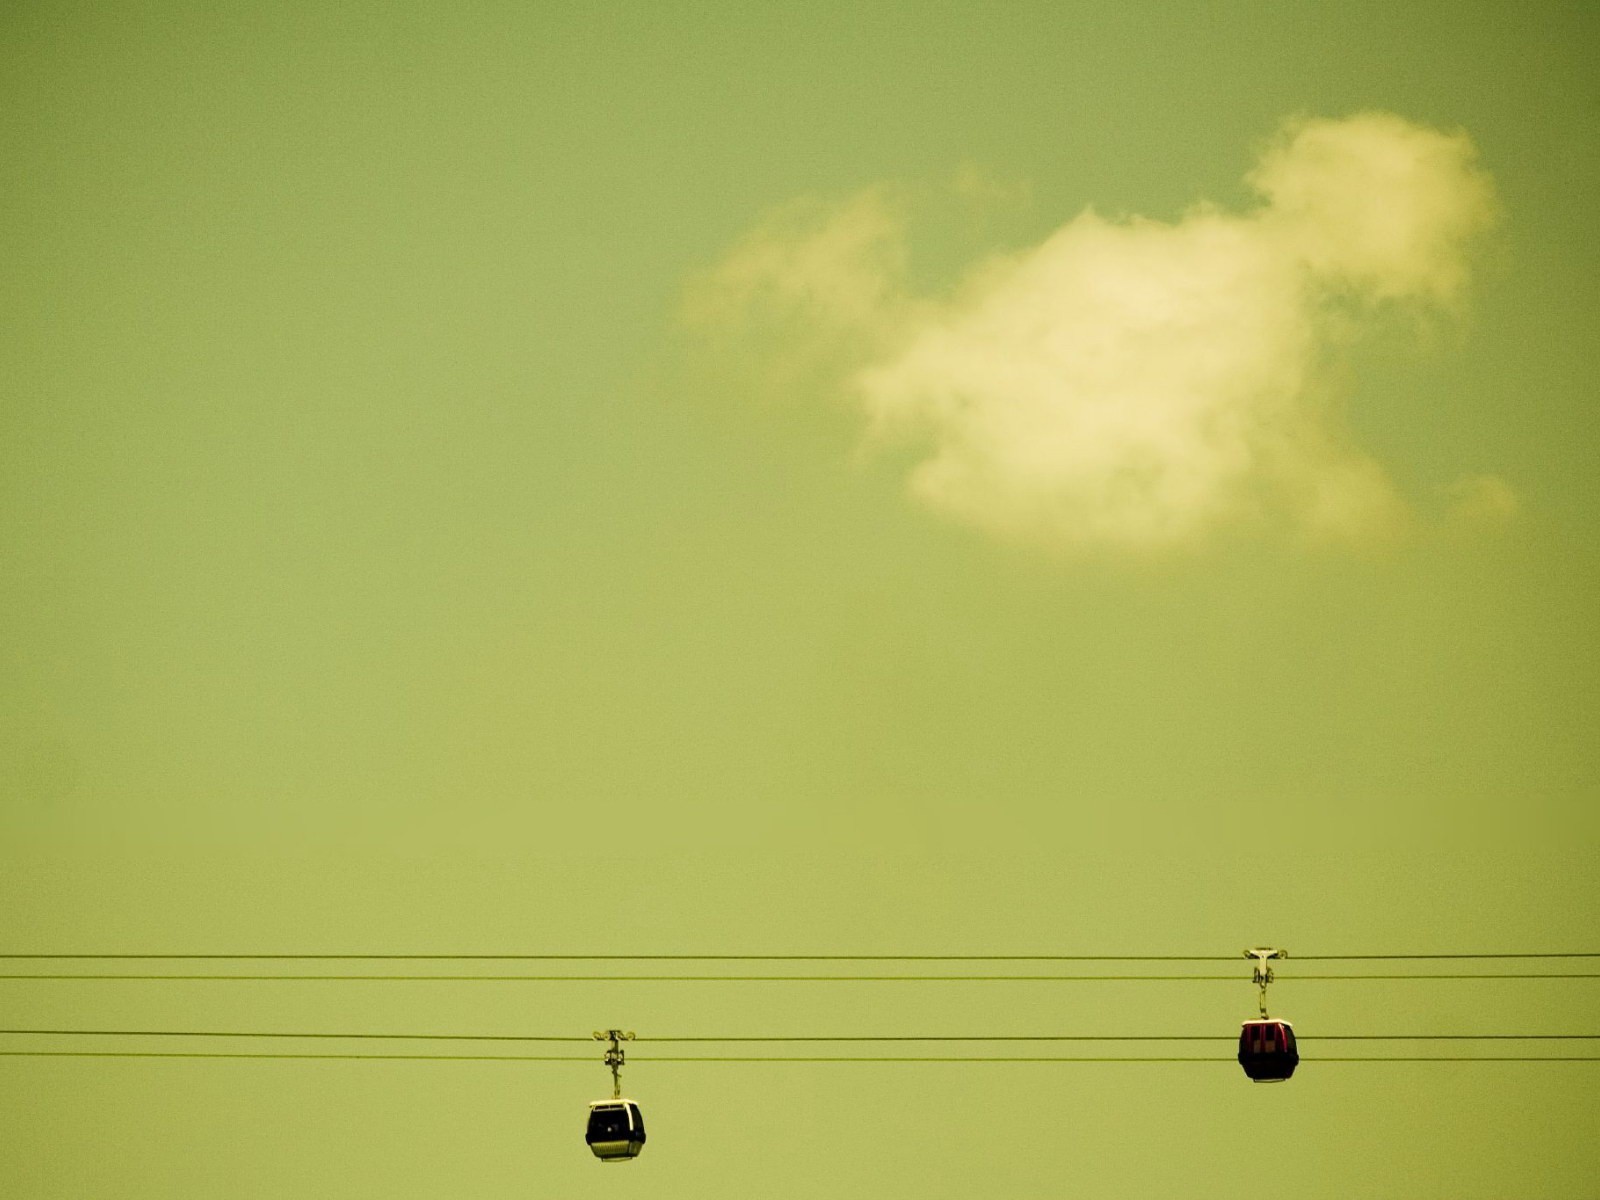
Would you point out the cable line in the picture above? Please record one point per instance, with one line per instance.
(969, 978)
(800, 1038)
(647, 957)
(589, 1060)
(1046, 1058)
(1518, 954)
(1141, 1037)
(756, 1058)
(1376, 957)
(541, 978)
(218, 1033)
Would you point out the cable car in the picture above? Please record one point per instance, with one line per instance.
(616, 1130)
(1267, 1050)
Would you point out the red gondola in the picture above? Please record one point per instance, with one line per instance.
(1266, 1047)
(1267, 1051)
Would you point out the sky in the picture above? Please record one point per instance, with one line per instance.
(876, 478)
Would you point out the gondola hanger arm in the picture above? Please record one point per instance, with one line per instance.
(1262, 975)
(615, 1056)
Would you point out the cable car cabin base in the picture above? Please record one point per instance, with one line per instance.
(1267, 1050)
(616, 1130)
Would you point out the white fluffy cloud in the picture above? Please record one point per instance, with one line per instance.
(1133, 383)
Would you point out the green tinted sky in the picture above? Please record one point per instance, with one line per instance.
(384, 566)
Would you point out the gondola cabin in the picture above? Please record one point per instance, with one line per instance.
(1267, 1050)
(616, 1130)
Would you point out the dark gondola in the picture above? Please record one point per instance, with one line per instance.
(1267, 1050)
(616, 1126)
(616, 1130)
(1266, 1047)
